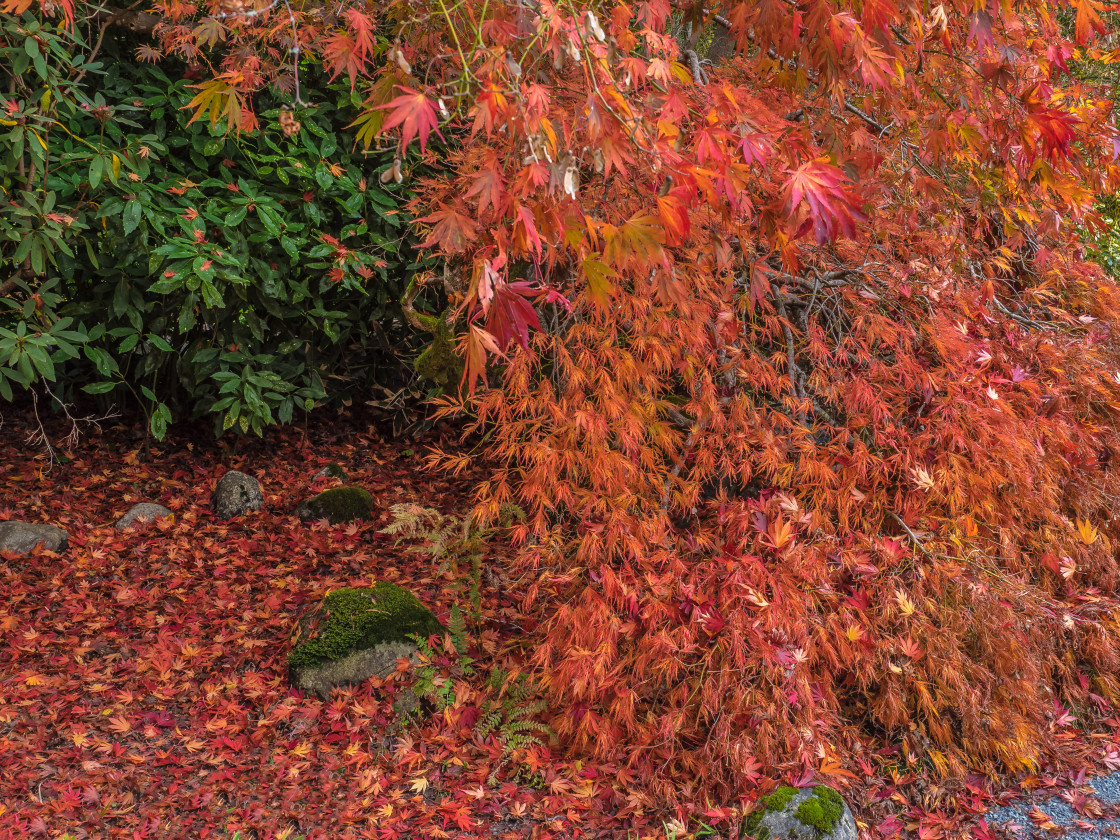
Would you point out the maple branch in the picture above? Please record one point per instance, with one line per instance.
(419, 320)
(93, 52)
(698, 74)
(143, 23)
(794, 370)
(867, 118)
(900, 36)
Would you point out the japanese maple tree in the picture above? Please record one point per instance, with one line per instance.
(792, 358)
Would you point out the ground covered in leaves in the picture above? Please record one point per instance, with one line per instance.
(143, 685)
(143, 688)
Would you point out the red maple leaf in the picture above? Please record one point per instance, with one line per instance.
(452, 230)
(511, 315)
(832, 208)
(415, 113)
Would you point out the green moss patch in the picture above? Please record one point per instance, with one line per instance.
(339, 504)
(358, 619)
(779, 799)
(822, 810)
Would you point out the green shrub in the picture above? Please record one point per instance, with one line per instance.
(182, 268)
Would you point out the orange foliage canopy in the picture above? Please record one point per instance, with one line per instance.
(796, 365)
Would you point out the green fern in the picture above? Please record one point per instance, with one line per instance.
(512, 718)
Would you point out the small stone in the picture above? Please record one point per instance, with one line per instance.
(355, 634)
(331, 470)
(22, 537)
(339, 504)
(235, 494)
(816, 813)
(142, 514)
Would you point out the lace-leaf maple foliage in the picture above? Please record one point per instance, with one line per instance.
(792, 359)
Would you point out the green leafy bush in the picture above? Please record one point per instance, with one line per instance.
(186, 269)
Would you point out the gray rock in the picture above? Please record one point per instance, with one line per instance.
(142, 514)
(331, 470)
(235, 494)
(22, 537)
(377, 661)
(816, 813)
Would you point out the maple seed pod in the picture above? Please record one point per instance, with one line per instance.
(443, 112)
(939, 19)
(512, 65)
(397, 55)
(597, 160)
(392, 172)
(592, 28)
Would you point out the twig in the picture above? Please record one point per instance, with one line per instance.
(867, 118)
(10, 283)
(39, 437)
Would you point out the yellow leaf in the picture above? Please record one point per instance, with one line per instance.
(922, 478)
(755, 597)
(1088, 533)
(682, 73)
(779, 533)
(904, 603)
(854, 632)
(217, 98)
(419, 784)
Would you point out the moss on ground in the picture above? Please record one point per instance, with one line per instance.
(821, 811)
(358, 619)
(340, 504)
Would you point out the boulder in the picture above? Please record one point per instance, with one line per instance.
(814, 813)
(339, 504)
(142, 514)
(235, 494)
(22, 537)
(355, 634)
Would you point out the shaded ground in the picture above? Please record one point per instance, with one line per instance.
(143, 687)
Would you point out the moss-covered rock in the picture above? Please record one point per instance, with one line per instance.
(339, 504)
(806, 814)
(355, 634)
(440, 363)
